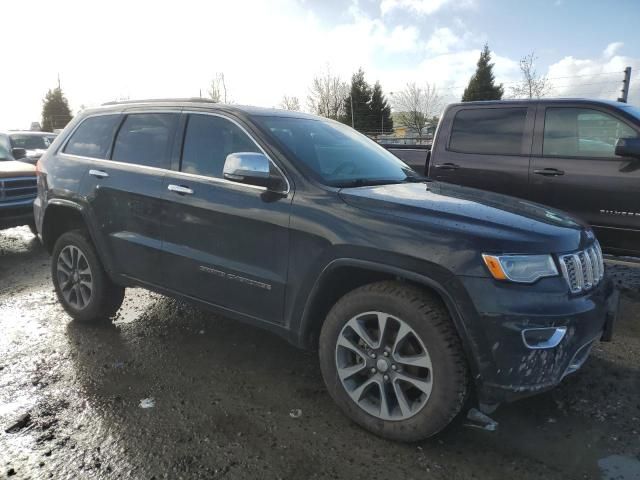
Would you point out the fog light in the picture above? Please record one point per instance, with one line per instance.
(537, 338)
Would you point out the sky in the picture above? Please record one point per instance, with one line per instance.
(108, 50)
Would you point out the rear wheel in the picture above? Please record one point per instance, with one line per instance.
(82, 286)
(392, 361)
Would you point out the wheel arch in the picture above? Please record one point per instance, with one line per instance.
(341, 276)
(63, 215)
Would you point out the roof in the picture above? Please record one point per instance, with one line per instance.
(203, 103)
(591, 101)
(26, 132)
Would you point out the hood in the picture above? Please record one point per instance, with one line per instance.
(503, 223)
(15, 168)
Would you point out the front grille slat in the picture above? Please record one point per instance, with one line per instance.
(18, 188)
(583, 270)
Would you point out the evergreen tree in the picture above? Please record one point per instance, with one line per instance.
(482, 86)
(55, 110)
(381, 120)
(359, 98)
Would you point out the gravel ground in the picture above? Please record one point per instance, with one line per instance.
(223, 400)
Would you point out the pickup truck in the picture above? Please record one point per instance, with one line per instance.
(17, 192)
(577, 155)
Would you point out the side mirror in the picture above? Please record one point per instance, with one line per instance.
(252, 169)
(18, 153)
(628, 147)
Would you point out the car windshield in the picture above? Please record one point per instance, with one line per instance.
(31, 142)
(4, 153)
(335, 154)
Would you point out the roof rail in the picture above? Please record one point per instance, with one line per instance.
(160, 100)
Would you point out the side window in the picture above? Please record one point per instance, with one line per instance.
(145, 139)
(582, 132)
(497, 131)
(207, 142)
(93, 137)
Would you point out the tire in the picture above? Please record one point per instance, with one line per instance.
(440, 371)
(32, 227)
(86, 304)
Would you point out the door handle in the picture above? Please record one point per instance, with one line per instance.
(180, 189)
(549, 172)
(447, 166)
(98, 173)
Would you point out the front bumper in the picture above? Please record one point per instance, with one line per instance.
(508, 366)
(15, 214)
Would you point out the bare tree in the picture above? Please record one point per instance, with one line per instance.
(290, 103)
(416, 106)
(218, 89)
(327, 94)
(532, 85)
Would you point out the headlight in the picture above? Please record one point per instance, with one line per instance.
(520, 268)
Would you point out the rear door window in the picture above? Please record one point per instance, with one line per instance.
(582, 132)
(94, 136)
(497, 131)
(207, 142)
(145, 139)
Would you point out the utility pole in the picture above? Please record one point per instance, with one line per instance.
(625, 85)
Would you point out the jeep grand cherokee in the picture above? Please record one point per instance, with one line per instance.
(413, 291)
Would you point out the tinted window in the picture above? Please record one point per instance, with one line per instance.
(145, 139)
(582, 132)
(488, 130)
(93, 137)
(335, 154)
(30, 142)
(207, 143)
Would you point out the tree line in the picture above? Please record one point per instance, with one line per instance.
(359, 104)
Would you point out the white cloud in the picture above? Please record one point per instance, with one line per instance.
(441, 41)
(423, 7)
(612, 49)
(599, 77)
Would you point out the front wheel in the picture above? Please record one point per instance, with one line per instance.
(82, 286)
(393, 362)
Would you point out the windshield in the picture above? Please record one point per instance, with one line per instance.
(4, 153)
(31, 142)
(335, 154)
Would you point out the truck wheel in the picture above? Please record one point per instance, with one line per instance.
(393, 362)
(83, 288)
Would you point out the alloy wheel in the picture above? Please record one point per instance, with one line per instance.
(74, 277)
(384, 366)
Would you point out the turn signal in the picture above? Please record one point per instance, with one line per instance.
(493, 264)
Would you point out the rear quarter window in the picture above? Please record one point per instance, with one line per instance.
(94, 136)
(497, 131)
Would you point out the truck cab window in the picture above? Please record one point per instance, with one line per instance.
(497, 131)
(582, 132)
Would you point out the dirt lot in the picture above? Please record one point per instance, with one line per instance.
(70, 396)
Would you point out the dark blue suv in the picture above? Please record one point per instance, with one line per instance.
(413, 291)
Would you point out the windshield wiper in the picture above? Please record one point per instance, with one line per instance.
(366, 182)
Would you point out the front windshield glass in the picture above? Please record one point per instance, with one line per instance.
(30, 142)
(335, 154)
(4, 153)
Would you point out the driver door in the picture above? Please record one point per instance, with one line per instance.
(574, 168)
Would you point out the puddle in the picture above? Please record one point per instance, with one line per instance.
(619, 467)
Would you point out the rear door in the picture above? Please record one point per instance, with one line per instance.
(574, 168)
(226, 243)
(487, 148)
(124, 191)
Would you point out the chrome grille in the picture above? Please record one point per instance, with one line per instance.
(18, 188)
(583, 270)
